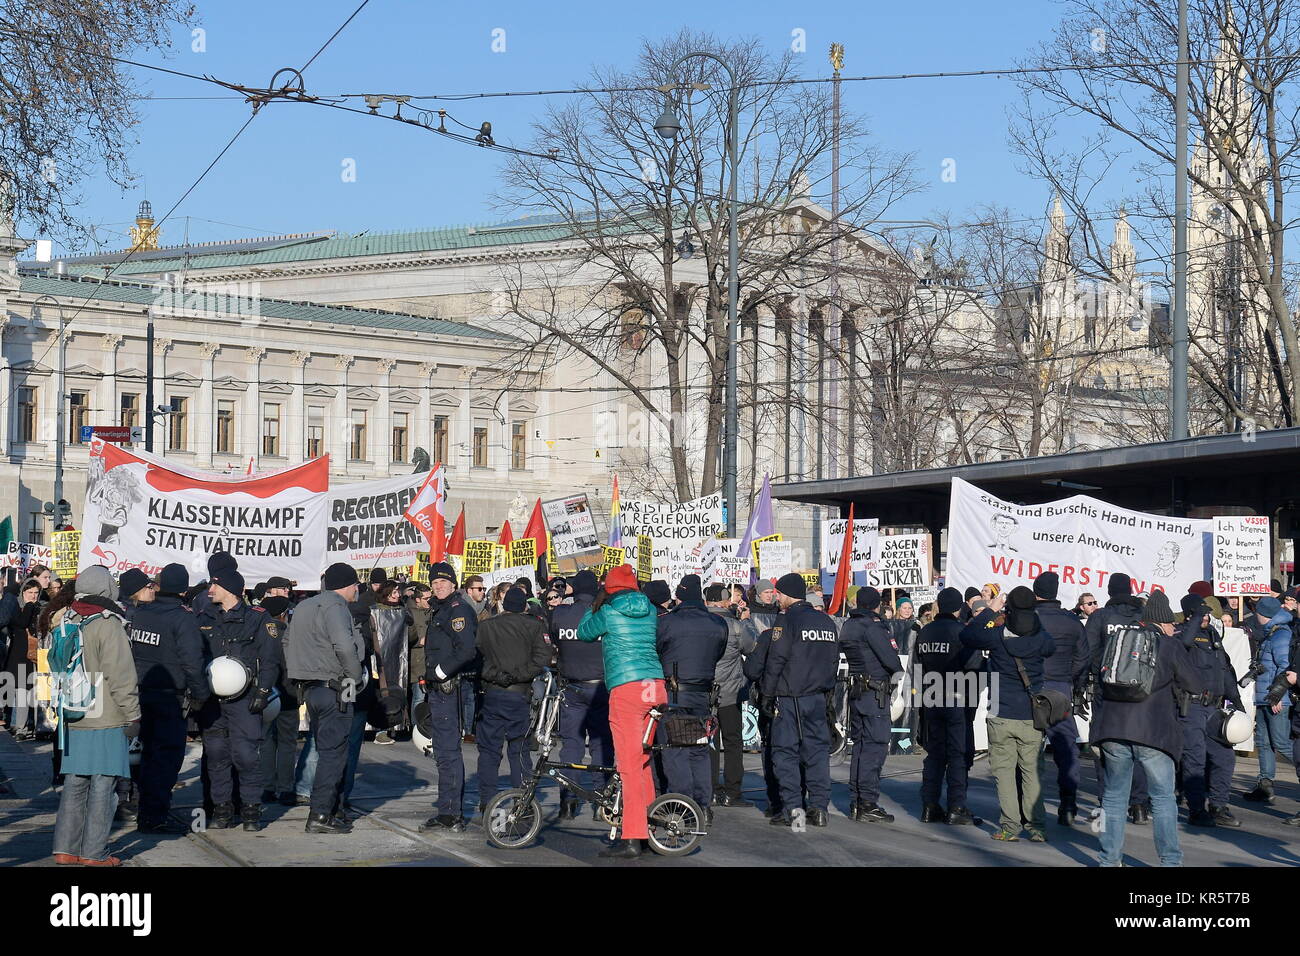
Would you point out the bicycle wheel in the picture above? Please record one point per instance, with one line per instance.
(510, 822)
(676, 824)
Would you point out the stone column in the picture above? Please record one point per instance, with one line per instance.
(106, 408)
(160, 349)
(295, 430)
(6, 386)
(340, 429)
(384, 419)
(206, 419)
(253, 410)
(424, 413)
(499, 451)
(460, 444)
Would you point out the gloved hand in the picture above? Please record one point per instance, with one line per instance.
(132, 729)
(768, 706)
(260, 700)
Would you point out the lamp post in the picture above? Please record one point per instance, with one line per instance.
(668, 126)
(58, 414)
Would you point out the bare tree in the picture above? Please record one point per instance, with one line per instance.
(66, 108)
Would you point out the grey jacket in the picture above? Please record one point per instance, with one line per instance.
(107, 655)
(742, 638)
(322, 642)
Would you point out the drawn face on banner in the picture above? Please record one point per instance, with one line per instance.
(1004, 526)
(1166, 560)
(116, 492)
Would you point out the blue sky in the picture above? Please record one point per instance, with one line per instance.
(284, 174)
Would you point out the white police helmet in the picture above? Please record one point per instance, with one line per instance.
(228, 676)
(1231, 727)
(422, 728)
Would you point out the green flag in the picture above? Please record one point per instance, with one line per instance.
(6, 534)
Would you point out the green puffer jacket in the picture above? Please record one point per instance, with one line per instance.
(625, 625)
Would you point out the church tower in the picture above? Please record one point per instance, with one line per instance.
(144, 234)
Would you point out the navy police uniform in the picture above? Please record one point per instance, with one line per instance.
(798, 674)
(232, 729)
(1064, 671)
(872, 655)
(584, 704)
(948, 722)
(690, 643)
(1207, 763)
(168, 651)
(448, 650)
(753, 668)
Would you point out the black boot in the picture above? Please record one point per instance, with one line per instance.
(933, 813)
(222, 815)
(1263, 792)
(871, 813)
(622, 850)
(320, 823)
(818, 818)
(251, 815)
(960, 817)
(1223, 817)
(854, 809)
(1065, 816)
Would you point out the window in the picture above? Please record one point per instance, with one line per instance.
(315, 431)
(270, 428)
(130, 405)
(178, 423)
(78, 415)
(26, 414)
(480, 446)
(440, 438)
(37, 534)
(226, 426)
(399, 436)
(518, 445)
(357, 448)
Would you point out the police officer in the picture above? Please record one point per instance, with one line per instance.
(753, 668)
(448, 650)
(947, 715)
(1205, 758)
(168, 652)
(134, 590)
(514, 650)
(798, 673)
(690, 641)
(323, 652)
(1063, 671)
(1122, 610)
(584, 704)
(872, 654)
(232, 727)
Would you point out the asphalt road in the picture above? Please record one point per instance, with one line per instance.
(395, 791)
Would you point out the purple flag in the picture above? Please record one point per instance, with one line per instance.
(760, 518)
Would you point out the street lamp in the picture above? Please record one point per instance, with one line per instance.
(669, 126)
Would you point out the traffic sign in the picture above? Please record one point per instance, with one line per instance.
(117, 434)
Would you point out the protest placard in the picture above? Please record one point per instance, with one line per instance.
(902, 561)
(480, 556)
(1242, 548)
(523, 552)
(775, 559)
(866, 531)
(645, 558)
(754, 555)
(572, 528)
(67, 545)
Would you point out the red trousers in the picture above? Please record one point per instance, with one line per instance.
(629, 708)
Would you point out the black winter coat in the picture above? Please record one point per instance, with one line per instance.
(1152, 722)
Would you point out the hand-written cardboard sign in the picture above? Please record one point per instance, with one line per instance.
(755, 557)
(903, 560)
(1242, 547)
(866, 532)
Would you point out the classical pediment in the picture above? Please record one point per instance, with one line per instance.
(229, 382)
(277, 388)
(520, 406)
(362, 393)
(404, 395)
(483, 401)
(183, 378)
(445, 399)
(320, 391)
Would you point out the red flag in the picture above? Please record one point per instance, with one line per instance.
(456, 545)
(843, 572)
(426, 513)
(537, 531)
(505, 537)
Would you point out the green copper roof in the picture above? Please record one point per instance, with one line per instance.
(113, 291)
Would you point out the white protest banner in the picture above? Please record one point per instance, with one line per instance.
(508, 575)
(1242, 555)
(142, 513)
(24, 556)
(866, 531)
(923, 594)
(902, 561)
(776, 558)
(1084, 540)
(676, 559)
(722, 562)
(688, 521)
(366, 524)
(573, 530)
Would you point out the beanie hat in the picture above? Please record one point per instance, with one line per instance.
(623, 578)
(276, 605)
(657, 591)
(717, 592)
(278, 582)
(868, 599)
(970, 593)
(523, 584)
(221, 560)
(1268, 605)
(1157, 610)
(1190, 603)
(1019, 611)
(231, 580)
(378, 576)
(1046, 585)
(259, 591)
(442, 571)
(690, 589)
(1201, 589)
(132, 580)
(339, 576)
(792, 585)
(1120, 585)
(174, 579)
(948, 601)
(585, 582)
(904, 599)
(515, 600)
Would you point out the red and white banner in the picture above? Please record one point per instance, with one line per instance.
(426, 513)
(366, 523)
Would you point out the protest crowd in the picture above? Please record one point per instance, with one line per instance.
(285, 687)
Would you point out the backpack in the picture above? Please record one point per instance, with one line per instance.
(1128, 663)
(74, 690)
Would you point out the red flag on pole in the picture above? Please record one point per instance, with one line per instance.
(456, 545)
(505, 537)
(843, 572)
(426, 512)
(537, 531)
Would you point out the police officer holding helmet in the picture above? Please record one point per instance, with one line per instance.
(168, 652)
(448, 650)
(1207, 762)
(798, 674)
(232, 725)
(584, 706)
(322, 651)
(872, 653)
